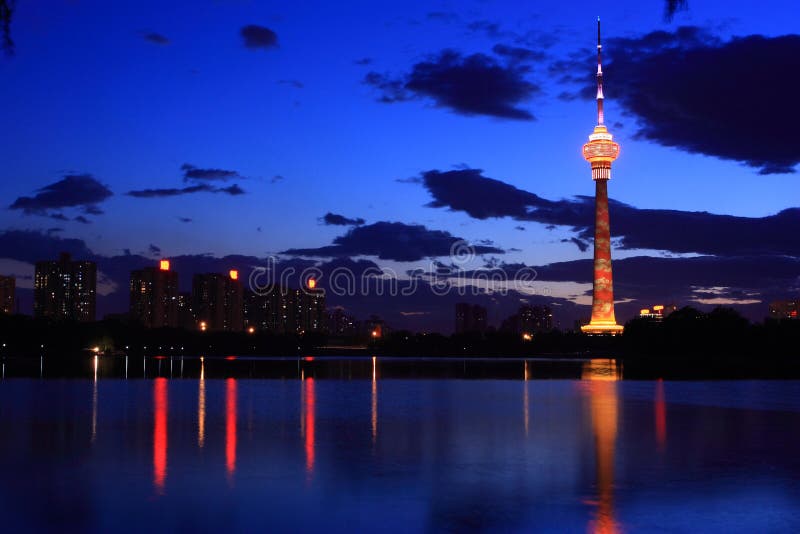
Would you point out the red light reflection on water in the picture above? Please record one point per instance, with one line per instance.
(159, 434)
(309, 413)
(230, 427)
(661, 415)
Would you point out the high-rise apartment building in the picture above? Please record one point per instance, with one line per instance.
(218, 301)
(286, 311)
(470, 318)
(8, 285)
(534, 319)
(65, 289)
(154, 296)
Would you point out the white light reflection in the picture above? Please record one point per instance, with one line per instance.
(94, 400)
(374, 399)
(525, 409)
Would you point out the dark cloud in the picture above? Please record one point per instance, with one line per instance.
(648, 280)
(671, 7)
(184, 219)
(200, 177)
(232, 190)
(81, 219)
(73, 190)
(258, 37)
(470, 85)
(672, 230)
(277, 178)
(644, 277)
(520, 228)
(363, 61)
(644, 280)
(582, 245)
(516, 53)
(442, 16)
(190, 172)
(490, 29)
(391, 89)
(691, 90)
(155, 38)
(92, 209)
(297, 84)
(31, 246)
(541, 38)
(153, 250)
(481, 197)
(6, 14)
(334, 219)
(391, 241)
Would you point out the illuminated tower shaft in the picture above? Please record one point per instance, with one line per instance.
(600, 152)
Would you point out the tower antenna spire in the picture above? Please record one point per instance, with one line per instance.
(600, 117)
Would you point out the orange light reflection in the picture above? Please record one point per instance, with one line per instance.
(603, 400)
(201, 407)
(160, 434)
(525, 407)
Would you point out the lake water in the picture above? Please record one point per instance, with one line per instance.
(391, 446)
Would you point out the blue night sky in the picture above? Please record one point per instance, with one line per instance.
(269, 115)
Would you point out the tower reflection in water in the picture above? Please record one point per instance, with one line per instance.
(230, 427)
(601, 386)
(308, 422)
(159, 434)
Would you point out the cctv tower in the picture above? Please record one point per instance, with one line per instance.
(600, 151)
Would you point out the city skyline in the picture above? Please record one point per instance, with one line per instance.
(238, 134)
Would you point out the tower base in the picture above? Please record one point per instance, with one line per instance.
(602, 329)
